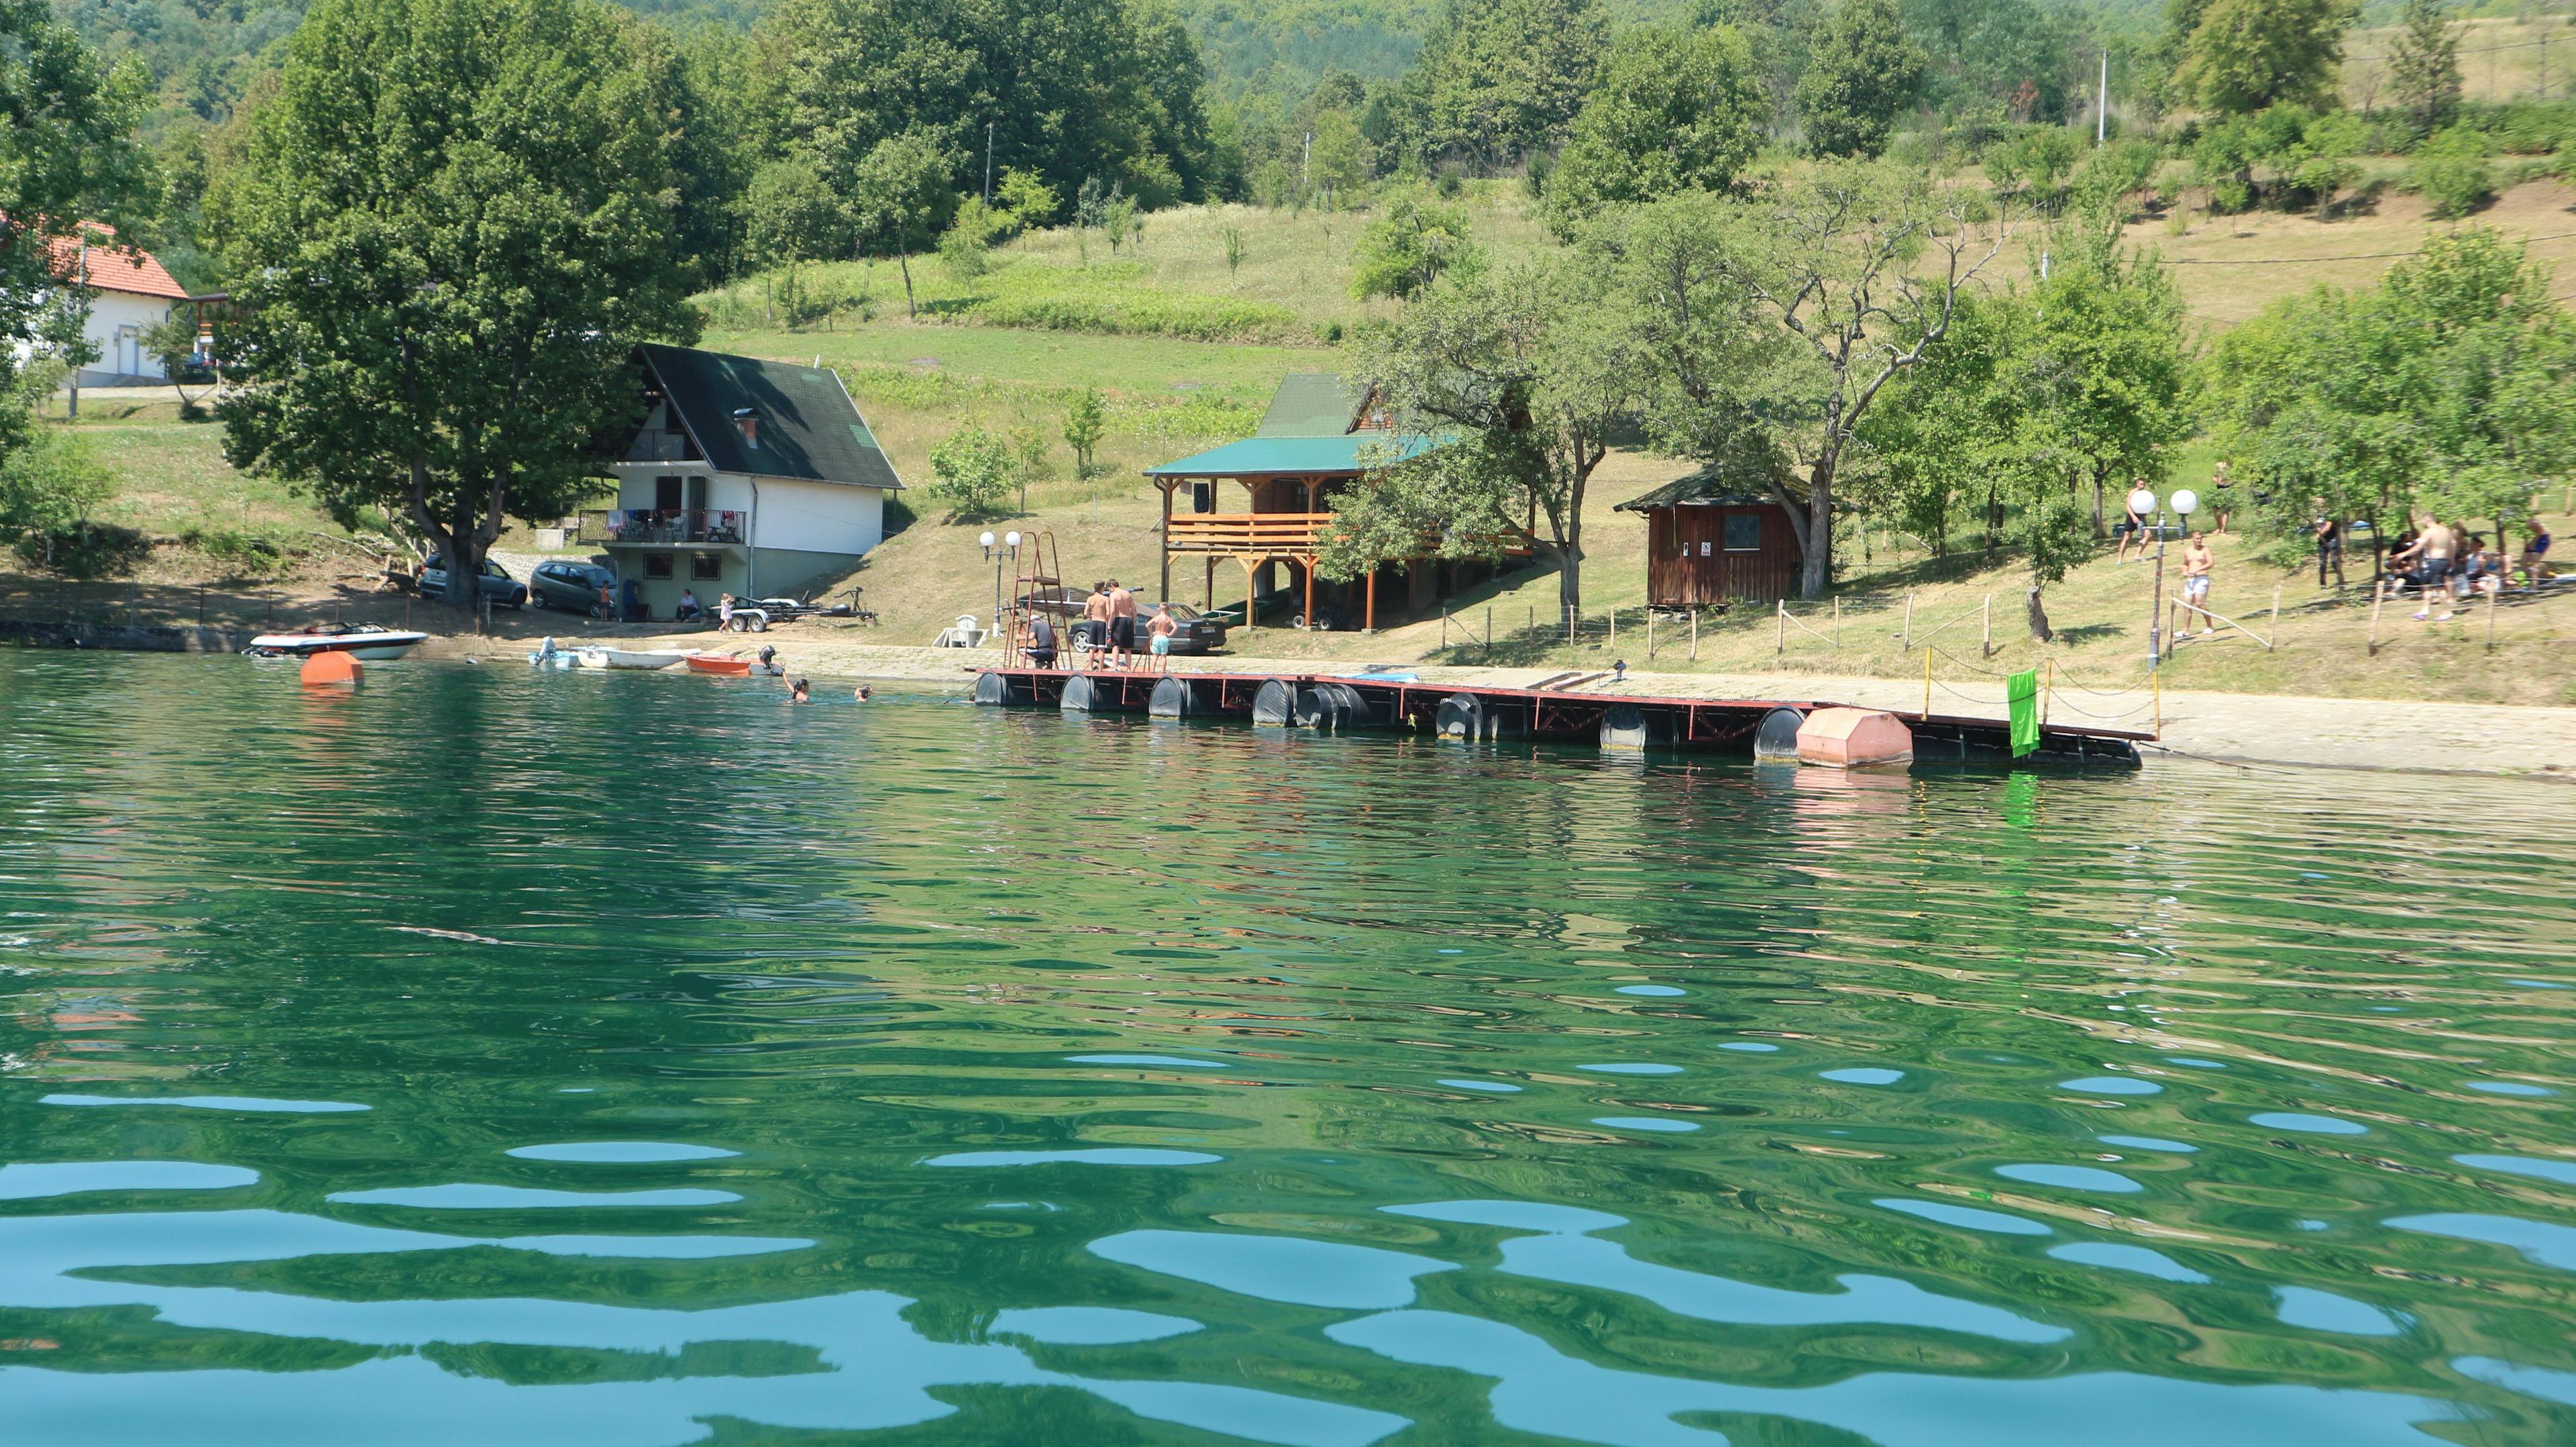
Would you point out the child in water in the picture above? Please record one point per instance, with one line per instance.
(797, 692)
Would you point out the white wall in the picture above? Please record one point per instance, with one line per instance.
(818, 517)
(116, 324)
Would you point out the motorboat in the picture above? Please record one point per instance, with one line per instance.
(551, 655)
(630, 658)
(370, 641)
(726, 665)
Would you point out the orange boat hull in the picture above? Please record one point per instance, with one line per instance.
(730, 667)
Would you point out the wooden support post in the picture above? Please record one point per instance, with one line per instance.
(1368, 623)
(1838, 621)
(1927, 681)
(1162, 534)
(2378, 595)
(1694, 633)
(1780, 614)
(1444, 627)
(1650, 633)
(1308, 567)
(2276, 619)
(1986, 645)
(2491, 615)
(2047, 686)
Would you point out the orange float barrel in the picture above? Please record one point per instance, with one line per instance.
(328, 670)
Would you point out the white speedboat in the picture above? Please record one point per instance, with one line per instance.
(359, 640)
(630, 658)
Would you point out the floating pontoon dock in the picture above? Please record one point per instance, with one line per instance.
(1347, 702)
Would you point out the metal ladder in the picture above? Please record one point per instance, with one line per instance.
(1040, 568)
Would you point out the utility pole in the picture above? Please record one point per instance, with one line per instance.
(988, 163)
(82, 283)
(2102, 107)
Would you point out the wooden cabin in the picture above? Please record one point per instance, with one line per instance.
(1318, 437)
(1716, 536)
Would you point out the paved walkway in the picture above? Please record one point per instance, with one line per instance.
(2238, 728)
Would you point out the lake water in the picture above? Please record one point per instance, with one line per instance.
(493, 1057)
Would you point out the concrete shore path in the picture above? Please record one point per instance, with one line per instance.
(2349, 733)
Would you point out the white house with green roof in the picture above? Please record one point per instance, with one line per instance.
(749, 477)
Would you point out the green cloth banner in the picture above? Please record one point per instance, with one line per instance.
(2022, 691)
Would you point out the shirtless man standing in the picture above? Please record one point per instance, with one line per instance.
(2196, 562)
(2431, 555)
(1122, 624)
(1095, 625)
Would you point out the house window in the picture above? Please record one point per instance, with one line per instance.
(1744, 532)
(705, 567)
(666, 494)
(657, 565)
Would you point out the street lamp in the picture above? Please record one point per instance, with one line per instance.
(2142, 502)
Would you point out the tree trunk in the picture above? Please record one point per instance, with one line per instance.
(910, 311)
(2039, 630)
(2099, 530)
(1817, 571)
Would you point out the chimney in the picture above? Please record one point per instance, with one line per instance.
(748, 419)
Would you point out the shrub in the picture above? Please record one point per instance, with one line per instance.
(49, 485)
(1405, 250)
(2451, 169)
(971, 471)
(239, 554)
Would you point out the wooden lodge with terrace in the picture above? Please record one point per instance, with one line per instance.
(1318, 437)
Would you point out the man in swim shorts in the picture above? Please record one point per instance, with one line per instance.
(1122, 625)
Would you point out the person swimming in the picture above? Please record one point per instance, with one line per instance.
(798, 692)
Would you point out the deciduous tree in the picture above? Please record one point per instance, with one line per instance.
(2240, 56)
(1673, 110)
(452, 223)
(1860, 77)
(1408, 248)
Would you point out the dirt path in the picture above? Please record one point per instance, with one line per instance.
(2238, 728)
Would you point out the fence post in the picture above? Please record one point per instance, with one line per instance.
(1782, 615)
(2378, 595)
(2276, 619)
(1838, 622)
(1444, 628)
(1694, 633)
(2047, 687)
(1927, 681)
(1650, 633)
(1906, 638)
(1986, 645)
(2157, 679)
(1489, 633)
(2491, 612)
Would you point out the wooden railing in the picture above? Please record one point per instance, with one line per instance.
(1286, 533)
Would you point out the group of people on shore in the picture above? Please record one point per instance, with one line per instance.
(1106, 634)
(2448, 565)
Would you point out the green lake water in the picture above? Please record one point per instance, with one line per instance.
(492, 1057)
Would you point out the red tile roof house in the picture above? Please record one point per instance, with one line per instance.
(129, 291)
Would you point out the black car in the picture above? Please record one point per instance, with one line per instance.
(1195, 632)
(498, 586)
(569, 585)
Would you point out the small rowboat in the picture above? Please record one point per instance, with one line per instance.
(629, 658)
(725, 665)
(358, 640)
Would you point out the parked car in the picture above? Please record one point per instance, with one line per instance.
(1195, 632)
(499, 587)
(569, 585)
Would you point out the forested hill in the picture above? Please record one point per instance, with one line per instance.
(205, 54)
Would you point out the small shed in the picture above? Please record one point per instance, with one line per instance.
(1716, 536)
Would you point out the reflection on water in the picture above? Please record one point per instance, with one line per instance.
(489, 1055)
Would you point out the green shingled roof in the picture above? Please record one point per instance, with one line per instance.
(1311, 404)
(809, 427)
(1299, 456)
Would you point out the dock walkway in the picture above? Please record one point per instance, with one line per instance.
(1347, 702)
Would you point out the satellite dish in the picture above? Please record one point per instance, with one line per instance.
(2142, 502)
(2184, 500)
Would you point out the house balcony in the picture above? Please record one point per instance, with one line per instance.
(1248, 534)
(664, 528)
(1276, 534)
